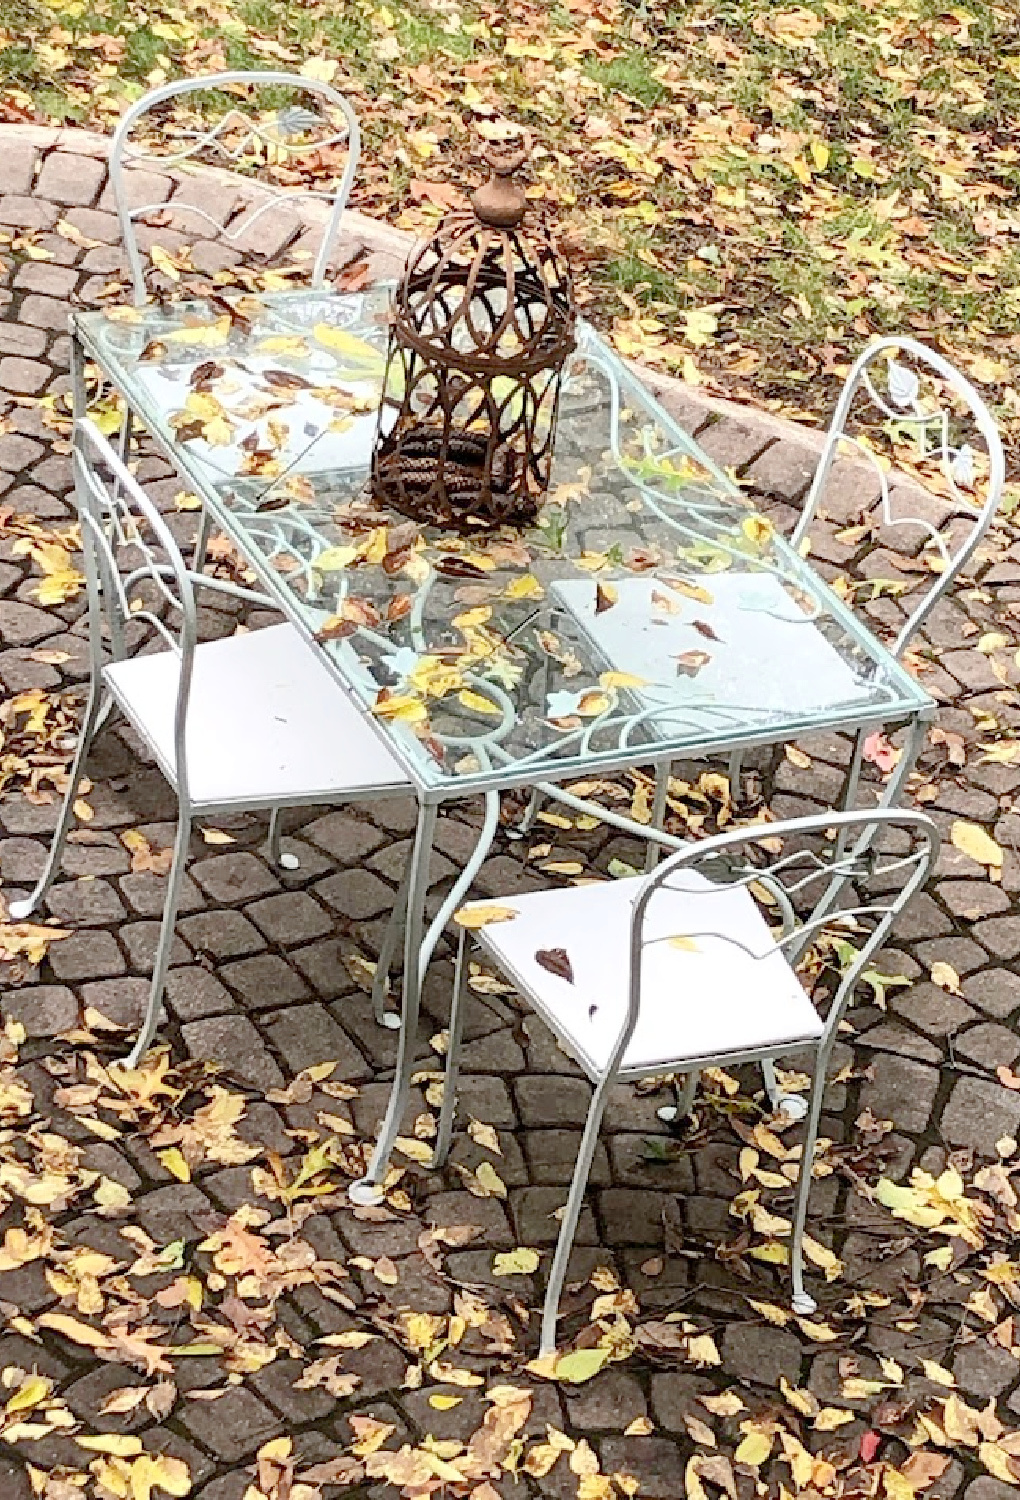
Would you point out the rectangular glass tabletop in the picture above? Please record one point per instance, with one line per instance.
(651, 614)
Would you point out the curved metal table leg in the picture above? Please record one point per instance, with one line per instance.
(369, 1189)
(889, 798)
(387, 950)
(418, 950)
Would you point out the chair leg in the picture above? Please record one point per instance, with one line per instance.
(202, 540)
(449, 1106)
(368, 1190)
(654, 851)
(166, 942)
(94, 709)
(675, 1114)
(387, 952)
(281, 861)
(571, 1214)
(733, 771)
(793, 1106)
(802, 1301)
(126, 433)
(853, 782)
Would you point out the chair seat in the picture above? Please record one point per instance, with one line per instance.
(266, 722)
(700, 1001)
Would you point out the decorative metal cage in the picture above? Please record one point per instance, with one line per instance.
(482, 323)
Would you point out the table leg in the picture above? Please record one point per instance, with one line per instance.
(890, 798)
(419, 947)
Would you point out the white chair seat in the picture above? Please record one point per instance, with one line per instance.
(266, 724)
(698, 1003)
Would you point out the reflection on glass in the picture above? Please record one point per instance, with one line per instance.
(650, 608)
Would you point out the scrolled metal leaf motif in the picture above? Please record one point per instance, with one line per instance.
(904, 386)
(962, 467)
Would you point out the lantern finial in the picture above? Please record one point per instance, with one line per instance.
(500, 202)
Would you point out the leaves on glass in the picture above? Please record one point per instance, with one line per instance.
(690, 663)
(605, 597)
(483, 915)
(687, 589)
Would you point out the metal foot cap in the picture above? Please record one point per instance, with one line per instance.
(289, 862)
(19, 910)
(793, 1106)
(803, 1304)
(365, 1194)
(668, 1114)
(390, 1020)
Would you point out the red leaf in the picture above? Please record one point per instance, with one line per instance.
(878, 750)
(869, 1446)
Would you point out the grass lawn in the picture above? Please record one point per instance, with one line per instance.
(747, 191)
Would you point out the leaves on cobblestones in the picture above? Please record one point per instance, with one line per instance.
(972, 840)
(225, 1299)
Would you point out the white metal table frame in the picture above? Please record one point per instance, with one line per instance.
(500, 771)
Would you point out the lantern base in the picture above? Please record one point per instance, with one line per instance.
(451, 479)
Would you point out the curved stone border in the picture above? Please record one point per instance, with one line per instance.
(48, 173)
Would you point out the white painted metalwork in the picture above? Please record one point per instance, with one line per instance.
(940, 418)
(767, 602)
(247, 722)
(631, 467)
(695, 965)
(940, 435)
(239, 139)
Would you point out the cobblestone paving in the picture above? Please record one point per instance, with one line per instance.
(259, 984)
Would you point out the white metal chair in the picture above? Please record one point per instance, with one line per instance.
(259, 138)
(261, 143)
(695, 965)
(915, 394)
(900, 392)
(251, 721)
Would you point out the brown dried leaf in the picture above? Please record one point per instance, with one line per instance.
(556, 961)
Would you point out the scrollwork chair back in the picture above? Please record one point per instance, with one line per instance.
(916, 397)
(260, 144)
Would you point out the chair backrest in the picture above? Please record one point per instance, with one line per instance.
(901, 394)
(134, 571)
(242, 125)
(819, 883)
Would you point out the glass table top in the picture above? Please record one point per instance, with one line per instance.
(651, 614)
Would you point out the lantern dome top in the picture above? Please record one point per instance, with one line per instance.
(484, 293)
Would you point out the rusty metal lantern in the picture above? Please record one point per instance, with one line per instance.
(482, 323)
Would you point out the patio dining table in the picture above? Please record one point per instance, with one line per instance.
(653, 615)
